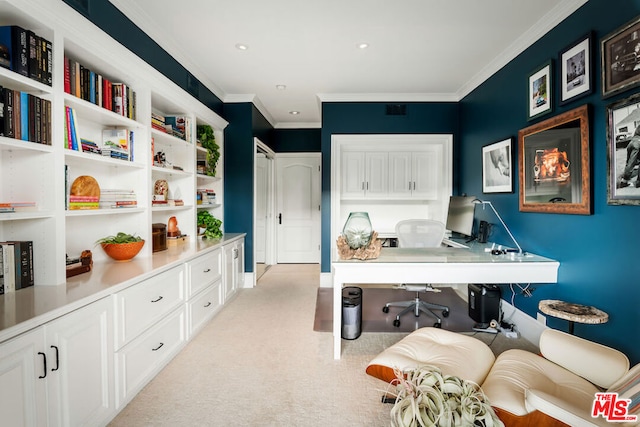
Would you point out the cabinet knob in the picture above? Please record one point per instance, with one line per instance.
(207, 304)
(207, 270)
(44, 364)
(57, 358)
(158, 347)
(157, 299)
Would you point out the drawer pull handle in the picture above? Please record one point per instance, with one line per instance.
(44, 363)
(158, 299)
(207, 270)
(207, 304)
(57, 358)
(158, 347)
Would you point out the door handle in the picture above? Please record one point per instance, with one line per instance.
(279, 218)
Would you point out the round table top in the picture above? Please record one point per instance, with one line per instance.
(573, 312)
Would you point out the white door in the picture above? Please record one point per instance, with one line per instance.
(298, 208)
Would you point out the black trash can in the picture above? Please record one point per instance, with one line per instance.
(351, 312)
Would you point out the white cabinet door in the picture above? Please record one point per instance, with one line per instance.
(233, 268)
(80, 380)
(376, 174)
(353, 174)
(23, 372)
(427, 173)
(239, 264)
(400, 175)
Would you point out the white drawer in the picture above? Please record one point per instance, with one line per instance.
(142, 305)
(204, 306)
(204, 270)
(143, 358)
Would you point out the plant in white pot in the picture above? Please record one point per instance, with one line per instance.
(425, 397)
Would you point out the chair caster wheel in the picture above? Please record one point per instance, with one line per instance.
(385, 309)
(445, 313)
(396, 323)
(437, 325)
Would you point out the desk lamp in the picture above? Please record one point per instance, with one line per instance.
(486, 202)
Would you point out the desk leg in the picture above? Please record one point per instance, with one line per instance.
(337, 315)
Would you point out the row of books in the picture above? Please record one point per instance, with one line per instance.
(113, 198)
(205, 196)
(25, 116)
(10, 207)
(16, 265)
(26, 53)
(93, 87)
(178, 126)
(116, 143)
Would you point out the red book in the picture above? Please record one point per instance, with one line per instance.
(67, 76)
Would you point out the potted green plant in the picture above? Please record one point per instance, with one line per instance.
(207, 139)
(426, 397)
(210, 224)
(122, 246)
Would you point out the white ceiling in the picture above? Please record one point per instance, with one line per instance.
(419, 50)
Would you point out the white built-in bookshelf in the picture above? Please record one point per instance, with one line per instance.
(31, 171)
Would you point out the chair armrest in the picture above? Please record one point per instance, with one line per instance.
(558, 409)
(584, 358)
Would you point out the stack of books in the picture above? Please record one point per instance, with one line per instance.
(178, 126)
(8, 207)
(90, 147)
(83, 202)
(25, 116)
(205, 196)
(16, 265)
(157, 122)
(117, 198)
(27, 53)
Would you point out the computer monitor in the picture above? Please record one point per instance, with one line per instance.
(460, 215)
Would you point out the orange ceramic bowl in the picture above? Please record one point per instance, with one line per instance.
(122, 251)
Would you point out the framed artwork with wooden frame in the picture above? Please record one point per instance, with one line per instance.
(497, 169)
(623, 151)
(619, 52)
(554, 164)
(576, 70)
(540, 91)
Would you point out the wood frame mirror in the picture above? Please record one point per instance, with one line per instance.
(554, 164)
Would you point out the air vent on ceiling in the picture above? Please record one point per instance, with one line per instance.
(396, 110)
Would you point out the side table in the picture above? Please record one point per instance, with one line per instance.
(573, 312)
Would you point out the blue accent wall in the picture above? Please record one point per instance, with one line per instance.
(372, 118)
(598, 253)
(296, 140)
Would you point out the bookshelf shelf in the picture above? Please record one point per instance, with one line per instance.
(97, 114)
(100, 212)
(17, 81)
(170, 172)
(209, 206)
(29, 215)
(12, 144)
(171, 208)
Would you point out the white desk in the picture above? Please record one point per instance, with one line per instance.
(436, 265)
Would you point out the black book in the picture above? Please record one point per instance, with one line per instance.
(14, 39)
(23, 253)
(9, 129)
(48, 78)
(2, 111)
(34, 54)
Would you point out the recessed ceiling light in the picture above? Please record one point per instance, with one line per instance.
(362, 45)
(241, 46)
(281, 87)
(294, 113)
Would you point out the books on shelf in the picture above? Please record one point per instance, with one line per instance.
(25, 116)
(83, 202)
(205, 196)
(116, 143)
(8, 207)
(117, 198)
(27, 53)
(91, 86)
(16, 258)
(178, 126)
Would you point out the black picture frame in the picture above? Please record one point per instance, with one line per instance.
(618, 56)
(540, 91)
(497, 167)
(576, 69)
(623, 121)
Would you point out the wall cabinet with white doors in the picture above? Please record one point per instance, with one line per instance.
(61, 373)
(32, 171)
(408, 176)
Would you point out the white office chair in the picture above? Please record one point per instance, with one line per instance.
(419, 233)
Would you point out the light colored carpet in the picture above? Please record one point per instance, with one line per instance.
(259, 363)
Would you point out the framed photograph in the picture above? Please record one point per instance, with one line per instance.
(554, 165)
(620, 59)
(623, 143)
(497, 172)
(540, 91)
(576, 70)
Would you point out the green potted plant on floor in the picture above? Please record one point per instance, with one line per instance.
(207, 139)
(426, 397)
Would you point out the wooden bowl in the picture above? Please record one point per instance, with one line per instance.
(122, 251)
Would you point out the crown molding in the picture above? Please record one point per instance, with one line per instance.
(388, 97)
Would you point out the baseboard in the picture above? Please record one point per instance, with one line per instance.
(326, 280)
(529, 328)
(249, 279)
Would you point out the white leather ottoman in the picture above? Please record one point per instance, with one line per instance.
(454, 354)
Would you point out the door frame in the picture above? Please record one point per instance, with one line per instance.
(270, 257)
